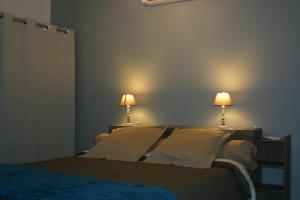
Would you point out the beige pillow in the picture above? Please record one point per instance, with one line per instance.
(189, 148)
(127, 144)
(241, 151)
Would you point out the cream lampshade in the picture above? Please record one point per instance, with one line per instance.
(128, 100)
(223, 99)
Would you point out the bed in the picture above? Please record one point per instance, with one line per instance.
(225, 179)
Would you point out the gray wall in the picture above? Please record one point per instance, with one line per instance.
(38, 10)
(175, 57)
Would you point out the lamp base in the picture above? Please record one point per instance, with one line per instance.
(223, 127)
(128, 124)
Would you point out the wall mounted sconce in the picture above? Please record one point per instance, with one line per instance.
(159, 2)
(128, 100)
(223, 99)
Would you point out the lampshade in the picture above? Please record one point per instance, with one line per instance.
(223, 99)
(127, 100)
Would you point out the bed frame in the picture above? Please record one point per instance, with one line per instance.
(239, 133)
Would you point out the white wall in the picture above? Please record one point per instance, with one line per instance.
(38, 10)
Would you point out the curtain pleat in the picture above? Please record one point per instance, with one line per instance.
(36, 80)
(3, 136)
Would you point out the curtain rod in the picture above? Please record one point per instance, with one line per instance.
(44, 26)
(40, 25)
(159, 2)
(20, 20)
(63, 30)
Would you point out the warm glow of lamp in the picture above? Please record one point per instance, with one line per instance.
(128, 100)
(223, 99)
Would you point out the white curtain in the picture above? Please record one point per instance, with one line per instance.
(37, 91)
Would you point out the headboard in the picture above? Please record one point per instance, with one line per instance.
(238, 133)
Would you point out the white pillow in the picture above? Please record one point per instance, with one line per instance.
(189, 148)
(241, 151)
(127, 144)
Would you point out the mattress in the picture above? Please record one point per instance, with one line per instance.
(222, 181)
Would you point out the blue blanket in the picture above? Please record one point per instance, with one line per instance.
(22, 182)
